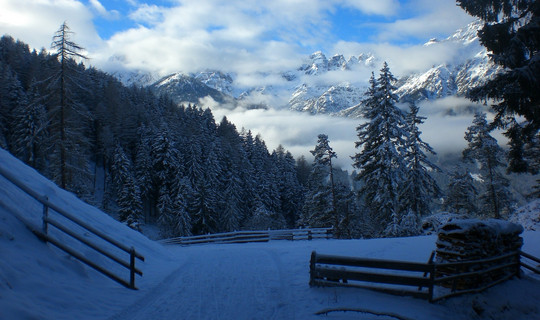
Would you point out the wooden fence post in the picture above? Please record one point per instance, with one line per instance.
(432, 280)
(312, 268)
(44, 218)
(309, 235)
(132, 268)
(518, 264)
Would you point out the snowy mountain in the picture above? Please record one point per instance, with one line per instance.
(217, 80)
(473, 69)
(137, 78)
(184, 88)
(323, 85)
(317, 63)
(325, 100)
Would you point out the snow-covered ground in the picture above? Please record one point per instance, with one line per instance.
(235, 281)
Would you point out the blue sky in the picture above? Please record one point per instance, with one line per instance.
(235, 35)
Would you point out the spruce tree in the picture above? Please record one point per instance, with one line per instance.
(289, 188)
(461, 194)
(510, 35)
(30, 130)
(485, 151)
(324, 172)
(382, 139)
(419, 188)
(127, 190)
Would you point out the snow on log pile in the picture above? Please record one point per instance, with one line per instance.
(473, 239)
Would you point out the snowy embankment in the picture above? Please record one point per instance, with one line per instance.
(236, 281)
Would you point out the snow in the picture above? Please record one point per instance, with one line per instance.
(496, 226)
(235, 281)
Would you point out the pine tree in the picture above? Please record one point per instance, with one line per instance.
(30, 131)
(348, 211)
(381, 164)
(322, 183)
(510, 35)
(231, 217)
(12, 100)
(168, 187)
(290, 190)
(484, 149)
(143, 171)
(128, 193)
(303, 169)
(420, 187)
(461, 194)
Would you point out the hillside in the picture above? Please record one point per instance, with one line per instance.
(37, 280)
(245, 281)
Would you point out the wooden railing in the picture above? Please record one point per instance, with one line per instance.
(44, 234)
(527, 265)
(328, 270)
(253, 236)
(402, 278)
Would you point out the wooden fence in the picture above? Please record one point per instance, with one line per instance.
(253, 236)
(50, 209)
(415, 279)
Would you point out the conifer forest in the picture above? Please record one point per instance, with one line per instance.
(147, 160)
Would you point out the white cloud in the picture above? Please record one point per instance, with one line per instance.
(430, 18)
(102, 11)
(148, 14)
(297, 132)
(35, 22)
(379, 7)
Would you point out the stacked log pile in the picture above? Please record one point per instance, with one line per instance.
(472, 239)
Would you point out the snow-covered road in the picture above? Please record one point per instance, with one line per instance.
(218, 283)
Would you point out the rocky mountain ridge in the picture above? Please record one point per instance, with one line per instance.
(309, 88)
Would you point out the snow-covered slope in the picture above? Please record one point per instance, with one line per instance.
(238, 281)
(37, 280)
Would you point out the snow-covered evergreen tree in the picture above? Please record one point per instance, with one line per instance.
(461, 194)
(486, 152)
(290, 191)
(510, 35)
(419, 188)
(30, 130)
(127, 190)
(320, 205)
(382, 139)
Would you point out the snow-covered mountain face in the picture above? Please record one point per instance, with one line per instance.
(336, 85)
(451, 79)
(184, 88)
(317, 63)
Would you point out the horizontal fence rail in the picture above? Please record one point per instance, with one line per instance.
(44, 234)
(329, 270)
(400, 277)
(526, 264)
(253, 236)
